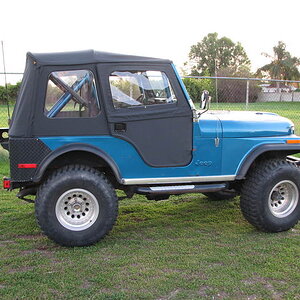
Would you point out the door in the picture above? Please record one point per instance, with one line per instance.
(146, 107)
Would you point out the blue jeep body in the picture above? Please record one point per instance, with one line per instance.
(240, 136)
(156, 143)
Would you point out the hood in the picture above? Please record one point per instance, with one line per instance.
(251, 124)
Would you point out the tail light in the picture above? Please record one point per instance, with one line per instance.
(6, 183)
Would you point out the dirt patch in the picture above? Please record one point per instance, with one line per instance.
(137, 219)
(57, 294)
(29, 236)
(21, 270)
(295, 232)
(105, 291)
(275, 294)
(262, 280)
(169, 270)
(5, 243)
(86, 284)
(51, 257)
(44, 251)
(47, 250)
(28, 252)
(221, 295)
(171, 295)
(203, 291)
(216, 264)
(268, 284)
(194, 275)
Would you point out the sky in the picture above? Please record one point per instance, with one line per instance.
(156, 28)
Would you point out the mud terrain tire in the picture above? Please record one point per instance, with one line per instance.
(76, 206)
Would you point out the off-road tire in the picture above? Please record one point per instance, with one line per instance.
(80, 192)
(270, 196)
(221, 195)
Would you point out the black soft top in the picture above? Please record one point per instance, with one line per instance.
(24, 121)
(88, 57)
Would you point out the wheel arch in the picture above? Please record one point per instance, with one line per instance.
(266, 150)
(84, 152)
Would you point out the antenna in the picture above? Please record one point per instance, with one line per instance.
(5, 80)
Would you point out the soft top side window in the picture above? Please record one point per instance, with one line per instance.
(131, 89)
(71, 94)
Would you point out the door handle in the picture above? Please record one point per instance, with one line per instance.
(119, 127)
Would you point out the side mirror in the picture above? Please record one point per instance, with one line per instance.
(205, 100)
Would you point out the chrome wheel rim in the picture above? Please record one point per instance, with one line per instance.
(283, 198)
(77, 209)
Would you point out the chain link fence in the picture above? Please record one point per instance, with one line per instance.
(8, 94)
(228, 93)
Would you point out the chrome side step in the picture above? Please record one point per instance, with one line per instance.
(178, 180)
(181, 189)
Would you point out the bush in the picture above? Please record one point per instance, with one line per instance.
(12, 93)
(195, 87)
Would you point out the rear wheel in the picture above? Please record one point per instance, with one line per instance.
(270, 196)
(76, 206)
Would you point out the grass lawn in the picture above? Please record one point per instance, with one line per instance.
(184, 248)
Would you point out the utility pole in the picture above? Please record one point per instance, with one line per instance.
(5, 80)
(216, 75)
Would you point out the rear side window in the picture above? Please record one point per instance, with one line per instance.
(132, 89)
(71, 94)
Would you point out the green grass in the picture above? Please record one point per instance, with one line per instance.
(183, 248)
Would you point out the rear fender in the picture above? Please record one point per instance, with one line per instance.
(75, 147)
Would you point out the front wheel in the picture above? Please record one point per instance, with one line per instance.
(76, 206)
(270, 196)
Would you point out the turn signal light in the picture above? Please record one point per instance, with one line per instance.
(293, 141)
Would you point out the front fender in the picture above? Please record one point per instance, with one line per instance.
(262, 149)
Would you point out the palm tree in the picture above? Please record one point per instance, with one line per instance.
(283, 66)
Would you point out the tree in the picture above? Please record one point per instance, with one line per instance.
(283, 66)
(214, 53)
